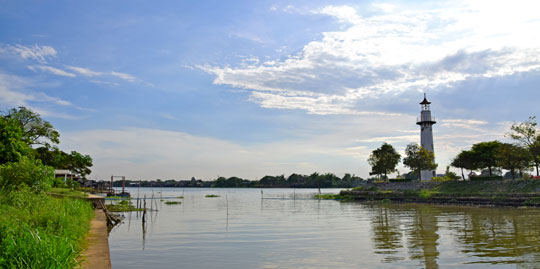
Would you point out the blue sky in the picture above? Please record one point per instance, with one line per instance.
(174, 89)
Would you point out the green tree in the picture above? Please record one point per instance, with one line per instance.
(36, 131)
(384, 160)
(79, 164)
(418, 159)
(484, 155)
(527, 135)
(25, 172)
(12, 145)
(513, 157)
(464, 160)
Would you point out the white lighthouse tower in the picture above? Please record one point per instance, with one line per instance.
(426, 134)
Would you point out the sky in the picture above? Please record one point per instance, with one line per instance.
(181, 89)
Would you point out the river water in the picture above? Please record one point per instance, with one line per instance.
(287, 228)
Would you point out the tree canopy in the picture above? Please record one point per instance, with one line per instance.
(512, 157)
(484, 155)
(418, 159)
(527, 135)
(464, 160)
(36, 130)
(384, 160)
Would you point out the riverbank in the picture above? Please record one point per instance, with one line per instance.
(41, 231)
(490, 193)
(97, 253)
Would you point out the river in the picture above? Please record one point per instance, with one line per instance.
(287, 228)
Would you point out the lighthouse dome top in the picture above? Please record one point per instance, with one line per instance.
(425, 101)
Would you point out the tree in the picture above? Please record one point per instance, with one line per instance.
(384, 160)
(12, 145)
(484, 155)
(513, 157)
(36, 131)
(418, 159)
(527, 135)
(79, 164)
(464, 160)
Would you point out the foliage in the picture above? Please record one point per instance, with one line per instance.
(36, 130)
(480, 178)
(331, 196)
(25, 172)
(425, 194)
(172, 202)
(211, 196)
(75, 162)
(527, 135)
(123, 206)
(400, 180)
(419, 159)
(12, 146)
(484, 155)
(441, 179)
(384, 160)
(464, 160)
(512, 157)
(39, 231)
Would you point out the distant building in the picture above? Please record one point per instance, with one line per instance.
(426, 134)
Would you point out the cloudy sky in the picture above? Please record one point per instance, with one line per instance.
(175, 89)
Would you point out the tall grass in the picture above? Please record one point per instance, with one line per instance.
(39, 231)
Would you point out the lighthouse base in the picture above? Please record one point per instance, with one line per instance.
(427, 175)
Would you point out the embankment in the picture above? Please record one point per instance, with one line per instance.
(490, 193)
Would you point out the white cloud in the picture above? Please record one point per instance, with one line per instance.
(52, 70)
(38, 53)
(123, 76)
(84, 71)
(401, 50)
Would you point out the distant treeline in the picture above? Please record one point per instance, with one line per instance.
(314, 180)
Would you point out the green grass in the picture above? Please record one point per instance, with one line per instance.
(172, 202)
(40, 231)
(68, 192)
(331, 196)
(180, 197)
(211, 196)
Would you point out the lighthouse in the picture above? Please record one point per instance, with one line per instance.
(426, 133)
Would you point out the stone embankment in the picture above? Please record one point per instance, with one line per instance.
(489, 193)
(97, 254)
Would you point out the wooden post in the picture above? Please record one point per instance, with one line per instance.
(123, 184)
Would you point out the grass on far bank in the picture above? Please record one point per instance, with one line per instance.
(172, 202)
(40, 231)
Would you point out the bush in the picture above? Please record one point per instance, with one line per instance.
(441, 179)
(480, 178)
(26, 172)
(400, 180)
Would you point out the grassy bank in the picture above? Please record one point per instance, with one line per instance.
(493, 192)
(40, 231)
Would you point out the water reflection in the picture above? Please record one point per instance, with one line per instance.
(492, 235)
(287, 228)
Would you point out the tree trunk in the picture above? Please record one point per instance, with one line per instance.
(513, 174)
(490, 174)
(420, 175)
(462, 175)
(537, 170)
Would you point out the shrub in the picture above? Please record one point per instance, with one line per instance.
(441, 179)
(400, 180)
(26, 172)
(479, 178)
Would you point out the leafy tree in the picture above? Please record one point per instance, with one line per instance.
(464, 160)
(513, 157)
(79, 164)
(36, 130)
(12, 145)
(418, 159)
(26, 173)
(527, 135)
(384, 160)
(484, 155)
